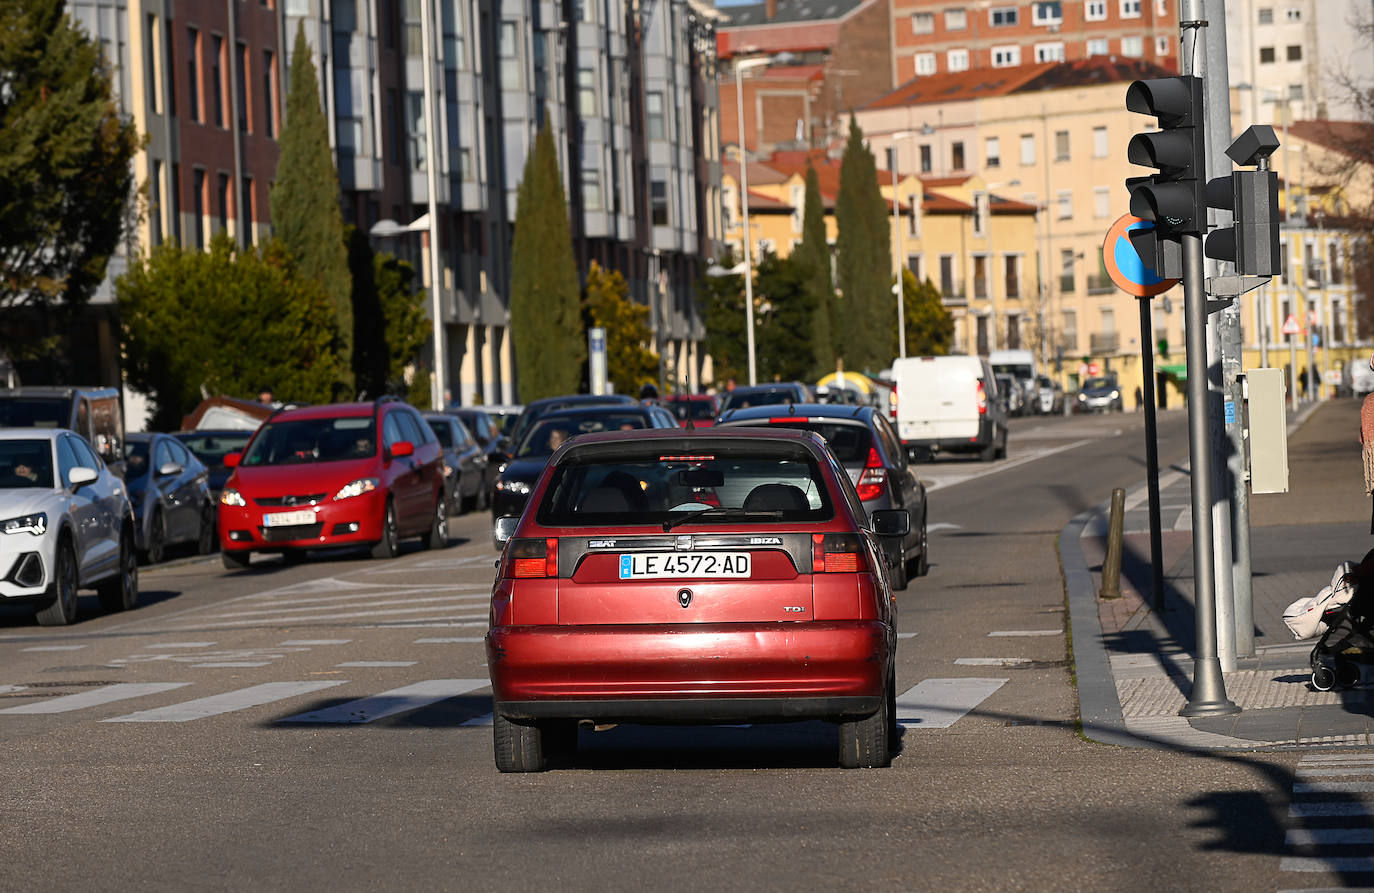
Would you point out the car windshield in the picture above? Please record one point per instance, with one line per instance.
(850, 443)
(782, 483)
(442, 431)
(212, 448)
(25, 464)
(550, 433)
(34, 412)
(1099, 384)
(312, 440)
(692, 409)
(135, 459)
(506, 422)
(741, 399)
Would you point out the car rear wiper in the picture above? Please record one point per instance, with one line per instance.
(722, 511)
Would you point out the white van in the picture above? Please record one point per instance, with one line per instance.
(949, 405)
(1020, 365)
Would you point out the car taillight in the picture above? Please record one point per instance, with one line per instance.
(531, 558)
(874, 477)
(982, 398)
(837, 553)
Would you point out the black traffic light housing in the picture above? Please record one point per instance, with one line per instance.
(1253, 198)
(1173, 198)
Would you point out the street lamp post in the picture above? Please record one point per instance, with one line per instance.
(901, 262)
(741, 66)
(438, 384)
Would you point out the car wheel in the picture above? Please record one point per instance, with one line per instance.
(62, 611)
(519, 747)
(898, 576)
(923, 560)
(1002, 450)
(437, 538)
(863, 741)
(120, 592)
(157, 541)
(386, 546)
(209, 537)
(989, 452)
(234, 561)
(894, 729)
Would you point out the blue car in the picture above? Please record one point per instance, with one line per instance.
(170, 491)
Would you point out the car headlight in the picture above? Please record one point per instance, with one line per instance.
(1115, 394)
(519, 488)
(1083, 397)
(448, 470)
(36, 524)
(232, 497)
(357, 488)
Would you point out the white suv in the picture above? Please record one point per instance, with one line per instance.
(65, 524)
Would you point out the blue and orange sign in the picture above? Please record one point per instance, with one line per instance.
(1125, 267)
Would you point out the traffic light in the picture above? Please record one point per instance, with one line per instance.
(1173, 198)
(1253, 197)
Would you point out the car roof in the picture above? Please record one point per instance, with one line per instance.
(686, 397)
(838, 411)
(32, 433)
(332, 411)
(214, 432)
(574, 399)
(577, 412)
(59, 391)
(689, 439)
(768, 388)
(493, 407)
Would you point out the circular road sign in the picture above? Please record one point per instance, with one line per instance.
(1125, 267)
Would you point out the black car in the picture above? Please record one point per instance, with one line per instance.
(210, 446)
(865, 444)
(465, 463)
(537, 408)
(1099, 394)
(512, 489)
(772, 394)
(169, 489)
(496, 446)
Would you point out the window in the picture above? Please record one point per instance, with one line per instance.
(174, 212)
(1162, 46)
(653, 105)
(1295, 91)
(217, 78)
(947, 285)
(980, 276)
(155, 203)
(1293, 14)
(980, 213)
(1011, 275)
(925, 64)
(956, 155)
(1130, 9)
(1266, 16)
(171, 67)
(993, 152)
(198, 207)
(1102, 202)
(957, 60)
(586, 92)
(1133, 46)
(1069, 330)
(246, 206)
(193, 71)
(1049, 52)
(955, 20)
(1161, 8)
(591, 190)
(153, 65)
(1066, 260)
(1047, 13)
(922, 23)
(1295, 52)
(1100, 147)
(1061, 145)
(926, 163)
(1266, 55)
(1027, 148)
(241, 79)
(510, 57)
(269, 94)
(1098, 47)
(1006, 56)
(1002, 16)
(1095, 10)
(658, 202)
(1064, 204)
(913, 263)
(222, 202)
(890, 158)
(913, 202)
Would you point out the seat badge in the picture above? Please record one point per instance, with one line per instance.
(684, 597)
(684, 544)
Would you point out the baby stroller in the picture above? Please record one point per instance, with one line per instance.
(1342, 614)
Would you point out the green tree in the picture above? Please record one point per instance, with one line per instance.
(630, 364)
(228, 321)
(864, 261)
(929, 327)
(65, 152)
(813, 254)
(390, 324)
(545, 296)
(788, 307)
(305, 200)
(721, 299)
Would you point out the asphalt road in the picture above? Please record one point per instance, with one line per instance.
(325, 725)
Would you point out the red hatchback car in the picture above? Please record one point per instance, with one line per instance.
(345, 474)
(670, 576)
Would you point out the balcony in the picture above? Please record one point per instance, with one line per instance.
(1100, 284)
(1104, 343)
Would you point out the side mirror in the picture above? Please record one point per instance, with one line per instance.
(402, 448)
(504, 529)
(169, 468)
(231, 460)
(891, 522)
(81, 476)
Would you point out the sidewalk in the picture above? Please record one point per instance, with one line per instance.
(1133, 663)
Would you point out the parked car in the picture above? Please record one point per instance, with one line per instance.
(772, 394)
(465, 463)
(1050, 396)
(343, 474)
(210, 446)
(1012, 395)
(536, 408)
(65, 524)
(504, 415)
(1099, 394)
(866, 446)
(92, 412)
(950, 404)
(170, 491)
(513, 485)
(700, 409)
(718, 575)
(496, 445)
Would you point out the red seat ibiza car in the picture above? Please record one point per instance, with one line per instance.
(345, 474)
(669, 576)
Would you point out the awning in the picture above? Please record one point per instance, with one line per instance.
(1177, 371)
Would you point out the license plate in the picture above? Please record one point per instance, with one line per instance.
(288, 519)
(643, 565)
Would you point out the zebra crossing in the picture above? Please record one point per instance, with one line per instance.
(1333, 818)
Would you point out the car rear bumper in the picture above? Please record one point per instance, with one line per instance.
(986, 431)
(690, 672)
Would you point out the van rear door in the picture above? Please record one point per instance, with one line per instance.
(939, 398)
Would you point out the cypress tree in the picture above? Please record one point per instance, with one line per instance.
(929, 326)
(305, 200)
(545, 296)
(630, 363)
(864, 265)
(813, 256)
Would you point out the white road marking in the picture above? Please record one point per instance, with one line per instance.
(1313, 810)
(1337, 757)
(316, 642)
(483, 720)
(1334, 787)
(378, 663)
(233, 663)
(1328, 836)
(377, 595)
(1353, 769)
(426, 623)
(182, 645)
(906, 635)
(934, 482)
(1026, 632)
(991, 661)
(378, 602)
(228, 702)
(54, 648)
(331, 618)
(940, 703)
(388, 703)
(454, 640)
(942, 525)
(119, 691)
(1327, 863)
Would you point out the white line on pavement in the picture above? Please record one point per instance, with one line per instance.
(483, 720)
(1334, 864)
(380, 602)
(1328, 836)
(1352, 769)
(1313, 810)
(1027, 632)
(906, 635)
(233, 663)
(398, 700)
(228, 702)
(453, 640)
(182, 645)
(119, 691)
(54, 648)
(1334, 787)
(316, 642)
(375, 595)
(378, 663)
(940, 703)
(936, 484)
(1337, 757)
(991, 661)
(331, 618)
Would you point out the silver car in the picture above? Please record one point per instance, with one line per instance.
(65, 524)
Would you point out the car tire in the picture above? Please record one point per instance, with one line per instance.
(386, 546)
(209, 536)
(437, 538)
(894, 729)
(863, 741)
(235, 561)
(62, 610)
(120, 592)
(898, 575)
(923, 560)
(518, 747)
(989, 452)
(1002, 450)
(157, 540)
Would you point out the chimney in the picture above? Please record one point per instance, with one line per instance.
(770, 9)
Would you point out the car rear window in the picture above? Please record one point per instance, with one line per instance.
(25, 464)
(651, 487)
(35, 412)
(312, 440)
(849, 442)
(692, 409)
(741, 400)
(549, 434)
